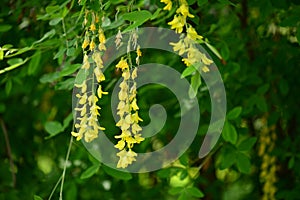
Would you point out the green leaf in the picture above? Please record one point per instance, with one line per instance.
(175, 190)
(71, 51)
(234, 113)
(228, 157)
(214, 50)
(90, 171)
(202, 2)
(141, 15)
(298, 34)
(36, 197)
(49, 34)
(164, 173)
(34, 63)
(117, 174)
(195, 84)
(13, 66)
(51, 9)
(138, 17)
(14, 61)
(60, 53)
(49, 78)
(283, 87)
(67, 84)
(1, 54)
(291, 162)
(243, 163)
(226, 2)
(229, 133)
(5, 27)
(188, 71)
(154, 16)
(69, 69)
(225, 51)
(55, 21)
(263, 89)
(183, 196)
(81, 76)
(53, 128)
(261, 104)
(247, 144)
(67, 120)
(194, 192)
(2, 107)
(8, 87)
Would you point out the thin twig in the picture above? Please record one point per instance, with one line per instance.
(53, 190)
(8, 148)
(65, 168)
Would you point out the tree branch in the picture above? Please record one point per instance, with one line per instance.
(9, 154)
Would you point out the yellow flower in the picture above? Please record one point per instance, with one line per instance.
(179, 46)
(82, 109)
(135, 128)
(130, 141)
(92, 27)
(100, 92)
(90, 135)
(134, 73)
(101, 37)
(120, 145)
(92, 45)
(184, 10)
(169, 4)
(124, 134)
(97, 58)
(99, 74)
(123, 85)
(205, 69)
(122, 95)
(138, 138)
(85, 42)
(92, 99)
(186, 62)
(126, 75)
(177, 23)
(136, 117)
(86, 63)
(205, 60)
(192, 34)
(126, 158)
(122, 64)
(138, 51)
(123, 125)
(134, 105)
(82, 99)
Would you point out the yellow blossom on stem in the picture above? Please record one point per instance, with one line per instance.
(192, 34)
(126, 158)
(184, 10)
(92, 27)
(169, 4)
(100, 92)
(177, 23)
(122, 64)
(85, 43)
(179, 46)
(92, 45)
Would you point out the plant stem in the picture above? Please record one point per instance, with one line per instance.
(8, 148)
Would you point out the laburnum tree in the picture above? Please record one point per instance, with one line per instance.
(58, 77)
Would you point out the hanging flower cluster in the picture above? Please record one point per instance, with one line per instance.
(128, 110)
(187, 44)
(87, 108)
(266, 143)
